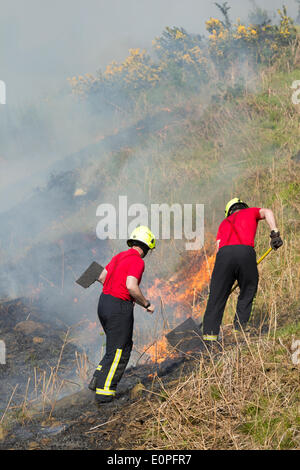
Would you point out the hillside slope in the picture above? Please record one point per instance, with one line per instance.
(211, 143)
(247, 397)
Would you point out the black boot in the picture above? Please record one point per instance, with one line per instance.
(93, 384)
(101, 399)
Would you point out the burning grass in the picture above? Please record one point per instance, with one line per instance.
(245, 398)
(185, 289)
(159, 350)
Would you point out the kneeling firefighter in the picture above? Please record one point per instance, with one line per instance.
(236, 260)
(120, 279)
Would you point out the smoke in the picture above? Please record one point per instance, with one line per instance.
(60, 157)
(44, 43)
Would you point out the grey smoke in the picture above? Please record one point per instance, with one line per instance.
(46, 136)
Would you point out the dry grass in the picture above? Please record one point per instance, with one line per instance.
(247, 398)
(47, 388)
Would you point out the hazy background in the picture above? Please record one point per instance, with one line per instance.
(42, 43)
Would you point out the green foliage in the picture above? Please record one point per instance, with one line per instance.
(268, 419)
(263, 427)
(185, 61)
(289, 330)
(258, 43)
(182, 56)
(291, 192)
(215, 392)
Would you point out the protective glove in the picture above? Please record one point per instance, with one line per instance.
(276, 241)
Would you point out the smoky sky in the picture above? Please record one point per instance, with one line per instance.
(42, 43)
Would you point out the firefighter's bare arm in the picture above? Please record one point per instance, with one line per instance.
(102, 276)
(135, 292)
(268, 215)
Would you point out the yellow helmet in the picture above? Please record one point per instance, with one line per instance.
(144, 235)
(232, 203)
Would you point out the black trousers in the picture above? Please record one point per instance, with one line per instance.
(116, 318)
(234, 262)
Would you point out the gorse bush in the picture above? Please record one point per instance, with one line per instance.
(187, 61)
(261, 43)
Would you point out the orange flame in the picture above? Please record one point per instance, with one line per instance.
(186, 288)
(185, 293)
(159, 351)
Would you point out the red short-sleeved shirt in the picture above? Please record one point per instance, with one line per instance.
(126, 263)
(239, 228)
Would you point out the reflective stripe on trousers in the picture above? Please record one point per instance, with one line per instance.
(106, 390)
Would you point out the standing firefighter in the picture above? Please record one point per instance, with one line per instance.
(236, 260)
(120, 279)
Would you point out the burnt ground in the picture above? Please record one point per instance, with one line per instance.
(33, 345)
(71, 424)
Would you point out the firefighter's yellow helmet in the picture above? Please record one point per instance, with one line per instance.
(232, 203)
(144, 235)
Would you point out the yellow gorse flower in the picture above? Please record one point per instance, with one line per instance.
(190, 55)
(179, 34)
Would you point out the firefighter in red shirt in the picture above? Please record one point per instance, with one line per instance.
(120, 279)
(236, 260)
